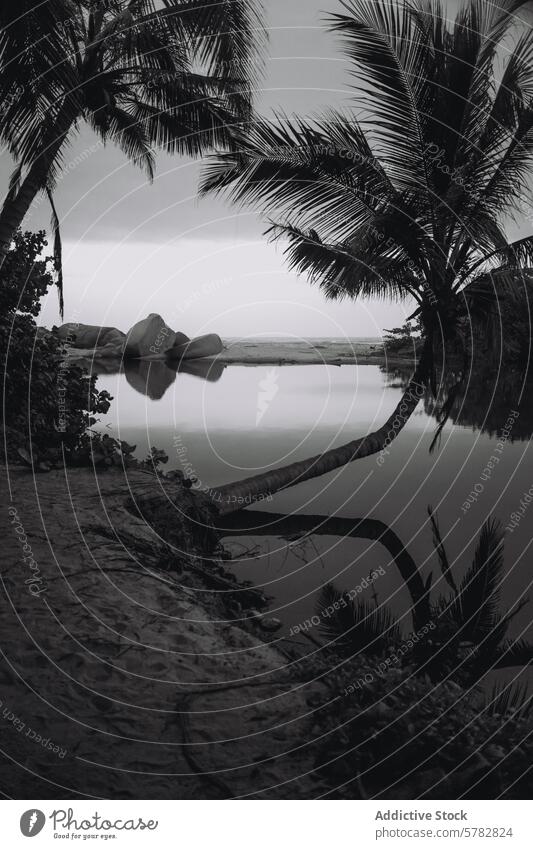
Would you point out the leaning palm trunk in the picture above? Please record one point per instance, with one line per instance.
(19, 199)
(16, 207)
(254, 523)
(235, 496)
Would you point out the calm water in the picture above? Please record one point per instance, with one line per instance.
(234, 422)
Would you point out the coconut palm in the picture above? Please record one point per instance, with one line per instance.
(470, 636)
(172, 75)
(406, 196)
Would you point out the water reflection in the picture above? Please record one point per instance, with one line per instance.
(315, 408)
(481, 400)
(297, 526)
(459, 627)
(153, 378)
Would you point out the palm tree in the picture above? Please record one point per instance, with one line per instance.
(406, 196)
(174, 75)
(470, 636)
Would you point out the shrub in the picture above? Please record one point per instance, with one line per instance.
(48, 402)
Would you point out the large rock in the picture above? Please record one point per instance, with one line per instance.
(203, 346)
(88, 336)
(149, 337)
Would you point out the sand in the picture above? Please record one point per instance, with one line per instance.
(282, 352)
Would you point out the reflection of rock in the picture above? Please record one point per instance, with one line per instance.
(149, 378)
(89, 336)
(110, 351)
(203, 346)
(151, 336)
(96, 365)
(206, 369)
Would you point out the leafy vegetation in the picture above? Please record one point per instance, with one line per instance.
(400, 203)
(412, 714)
(387, 200)
(48, 403)
(403, 736)
(148, 76)
(403, 340)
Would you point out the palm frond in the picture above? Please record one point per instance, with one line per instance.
(514, 653)
(476, 607)
(58, 252)
(355, 626)
(506, 283)
(518, 254)
(14, 182)
(511, 699)
(441, 552)
(341, 271)
(295, 169)
(227, 37)
(192, 125)
(35, 71)
(391, 64)
(129, 134)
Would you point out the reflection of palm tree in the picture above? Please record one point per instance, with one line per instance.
(253, 523)
(403, 204)
(484, 400)
(147, 75)
(470, 635)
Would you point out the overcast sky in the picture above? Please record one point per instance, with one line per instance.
(132, 247)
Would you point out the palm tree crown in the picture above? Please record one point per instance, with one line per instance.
(172, 75)
(408, 195)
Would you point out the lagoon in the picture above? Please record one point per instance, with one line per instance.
(237, 421)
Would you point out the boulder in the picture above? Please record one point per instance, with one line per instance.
(149, 337)
(88, 336)
(203, 346)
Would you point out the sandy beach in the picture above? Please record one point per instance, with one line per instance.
(256, 352)
(300, 352)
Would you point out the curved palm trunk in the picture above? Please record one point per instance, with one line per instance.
(235, 496)
(255, 523)
(18, 202)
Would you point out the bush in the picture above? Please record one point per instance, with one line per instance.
(48, 402)
(405, 340)
(403, 736)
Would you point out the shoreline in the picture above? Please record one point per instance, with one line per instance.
(142, 591)
(256, 352)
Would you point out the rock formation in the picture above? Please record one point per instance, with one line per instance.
(89, 336)
(203, 346)
(151, 336)
(148, 339)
